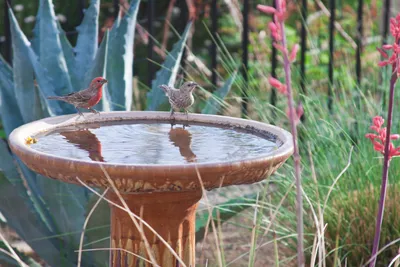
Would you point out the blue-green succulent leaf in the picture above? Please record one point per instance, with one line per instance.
(10, 114)
(51, 54)
(214, 103)
(36, 34)
(24, 87)
(86, 46)
(42, 76)
(120, 60)
(20, 212)
(167, 74)
(98, 69)
(67, 206)
(69, 59)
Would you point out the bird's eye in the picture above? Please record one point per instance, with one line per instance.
(98, 81)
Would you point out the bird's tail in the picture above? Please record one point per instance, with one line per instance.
(164, 88)
(55, 98)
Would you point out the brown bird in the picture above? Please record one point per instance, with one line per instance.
(181, 98)
(86, 98)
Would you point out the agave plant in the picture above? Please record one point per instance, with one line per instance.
(48, 214)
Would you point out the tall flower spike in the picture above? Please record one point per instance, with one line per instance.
(378, 140)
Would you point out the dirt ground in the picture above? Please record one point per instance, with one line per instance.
(236, 239)
(236, 236)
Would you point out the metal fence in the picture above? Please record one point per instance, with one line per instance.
(245, 42)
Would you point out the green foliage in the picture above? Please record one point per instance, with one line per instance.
(226, 211)
(53, 208)
(50, 65)
(120, 60)
(167, 73)
(215, 102)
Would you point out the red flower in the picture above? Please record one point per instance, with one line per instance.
(278, 85)
(298, 113)
(395, 48)
(378, 140)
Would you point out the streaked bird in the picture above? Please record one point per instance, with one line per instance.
(181, 98)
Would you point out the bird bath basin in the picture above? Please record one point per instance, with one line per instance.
(156, 168)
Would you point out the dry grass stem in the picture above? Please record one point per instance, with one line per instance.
(12, 252)
(85, 224)
(144, 238)
(138, 218)
(118, 249)
(322, 249)
(337, 179)
(214, 228)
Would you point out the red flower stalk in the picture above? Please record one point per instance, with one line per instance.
(379, 140)
(277, 28)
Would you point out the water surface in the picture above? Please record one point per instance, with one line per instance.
(153, 143)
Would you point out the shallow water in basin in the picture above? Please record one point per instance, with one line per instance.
(154, 143)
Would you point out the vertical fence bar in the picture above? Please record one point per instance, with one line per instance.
(150, 25)
(386, 16)
(214, 29)
(303, 44)
(245, 55)
(359, 40)
(332, 8)
(116, 8)
(7, 33)
(274, 64)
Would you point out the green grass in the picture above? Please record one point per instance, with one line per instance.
(326, 140)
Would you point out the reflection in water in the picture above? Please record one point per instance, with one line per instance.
(86, 140)
(183, 139)
(135, 142)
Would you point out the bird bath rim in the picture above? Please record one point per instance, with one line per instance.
(140, 178)
(18, 135)
(166, 195)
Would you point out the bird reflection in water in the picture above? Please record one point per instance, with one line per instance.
(182, 139)
(85, 140)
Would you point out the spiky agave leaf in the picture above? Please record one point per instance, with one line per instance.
(167, 74)
(86, 45)
(97, 69)
(22, 215)
(42, 76)
(10, 114)
(51, 53)
(23, 74)
(120, 59)
(214, 103)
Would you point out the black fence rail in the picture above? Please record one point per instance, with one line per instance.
(246, 8)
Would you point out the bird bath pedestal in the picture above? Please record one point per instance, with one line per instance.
(156, 169)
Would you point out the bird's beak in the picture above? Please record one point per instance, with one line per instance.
(105, 81)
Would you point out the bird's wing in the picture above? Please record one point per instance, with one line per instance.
(174, 91)
(81, 96)
(168, 90)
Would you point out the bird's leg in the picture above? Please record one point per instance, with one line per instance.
(187, 118)
(172, 117)
(93, 111)
(79, 112)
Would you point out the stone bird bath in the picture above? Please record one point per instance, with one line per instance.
(154, 168)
